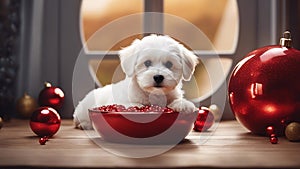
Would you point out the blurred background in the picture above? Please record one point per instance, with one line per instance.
(40, 40)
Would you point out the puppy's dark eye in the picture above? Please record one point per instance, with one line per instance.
(148, 63)
(168, 64)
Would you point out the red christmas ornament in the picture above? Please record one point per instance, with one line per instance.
(204, 120)
(264, 88)
(43, 140)
(273, 139)
(45, 121)
(51, 96)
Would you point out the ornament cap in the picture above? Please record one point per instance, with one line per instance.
(26, 95)
(286, 40)
(47, 84)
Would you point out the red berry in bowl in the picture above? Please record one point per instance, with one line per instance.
(146, 108)
(120, 108)
(168, 110)
(133, 109)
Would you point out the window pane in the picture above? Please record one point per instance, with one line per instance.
(218, 20)
(97, 14)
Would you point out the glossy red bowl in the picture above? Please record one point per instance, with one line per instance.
(142, 127)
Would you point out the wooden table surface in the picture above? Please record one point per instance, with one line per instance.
(229, 146)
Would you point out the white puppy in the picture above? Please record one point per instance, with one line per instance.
(155, 67)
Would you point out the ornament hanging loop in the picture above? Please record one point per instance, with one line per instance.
(286, 40)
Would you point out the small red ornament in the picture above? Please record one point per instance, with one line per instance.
(273, 139)
(51, 96)
(43, 140)
(271, 133)
(264, 88)
(45, 121)
(204, 120)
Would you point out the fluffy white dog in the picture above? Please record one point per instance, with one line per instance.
(155, 67)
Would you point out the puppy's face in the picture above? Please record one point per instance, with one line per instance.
(158, 71)
(158, 63)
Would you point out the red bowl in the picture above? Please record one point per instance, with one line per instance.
(142, 127)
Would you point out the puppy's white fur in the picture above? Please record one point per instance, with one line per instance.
(151, 56)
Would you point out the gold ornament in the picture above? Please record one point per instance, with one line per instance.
(1, 122)
(292, 131)
(26, 105)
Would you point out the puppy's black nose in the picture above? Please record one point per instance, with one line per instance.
(158, 78)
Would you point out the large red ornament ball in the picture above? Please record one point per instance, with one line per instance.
(45, 121)
(264, 88)
(205, 119)
(51, 96)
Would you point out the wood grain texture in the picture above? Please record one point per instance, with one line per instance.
(229, 146)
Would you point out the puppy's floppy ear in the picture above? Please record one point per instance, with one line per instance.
(128, 57)
(189, 62)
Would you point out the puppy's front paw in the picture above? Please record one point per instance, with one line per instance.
(182, 105)
(82, 124)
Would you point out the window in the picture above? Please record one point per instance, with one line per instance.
(103, 20)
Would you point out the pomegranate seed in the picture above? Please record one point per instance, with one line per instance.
(146, 108)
